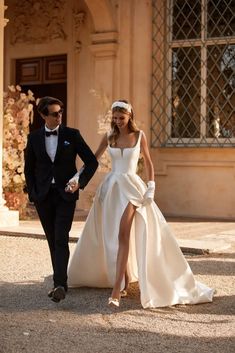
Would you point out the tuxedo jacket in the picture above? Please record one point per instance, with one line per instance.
(40, 170)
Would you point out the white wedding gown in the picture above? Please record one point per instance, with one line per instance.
(155, 259)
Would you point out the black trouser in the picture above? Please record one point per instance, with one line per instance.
(56, 216)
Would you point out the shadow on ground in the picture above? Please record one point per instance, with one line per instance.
(23, 297)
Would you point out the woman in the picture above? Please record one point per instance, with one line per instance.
(125, 237)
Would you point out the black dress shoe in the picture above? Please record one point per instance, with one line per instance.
(50, 293)
(58, 294)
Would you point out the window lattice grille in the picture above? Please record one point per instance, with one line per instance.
(193, 82)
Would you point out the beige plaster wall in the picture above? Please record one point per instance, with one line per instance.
(110, 55)
(119, 71)
(195, 182)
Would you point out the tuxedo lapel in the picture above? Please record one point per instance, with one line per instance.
(60, 143)
(42, 143)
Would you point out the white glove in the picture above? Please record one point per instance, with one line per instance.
(149, 194)
(74, 180)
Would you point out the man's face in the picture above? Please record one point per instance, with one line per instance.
(54, 117)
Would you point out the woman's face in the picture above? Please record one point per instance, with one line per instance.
(121, 119)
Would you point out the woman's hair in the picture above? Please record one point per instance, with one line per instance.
(113, 136)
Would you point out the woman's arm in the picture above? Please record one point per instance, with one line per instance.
(102, 147)
(73, 183)
(147, 159)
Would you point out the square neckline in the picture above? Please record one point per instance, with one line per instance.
(127, 148)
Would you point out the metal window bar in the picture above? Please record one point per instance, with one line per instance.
(193, 93)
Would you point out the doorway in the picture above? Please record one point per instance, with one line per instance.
(44, 76)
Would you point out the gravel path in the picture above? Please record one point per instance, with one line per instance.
(83, 323)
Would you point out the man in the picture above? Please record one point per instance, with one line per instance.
(50, 166)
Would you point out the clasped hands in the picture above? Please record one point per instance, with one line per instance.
(73, 184)
(149, 194)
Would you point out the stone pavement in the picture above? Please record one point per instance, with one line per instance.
(193, 236)
(84, 323)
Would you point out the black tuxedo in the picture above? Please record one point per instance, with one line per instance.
(56, 207)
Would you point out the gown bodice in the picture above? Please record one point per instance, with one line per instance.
(125, 160)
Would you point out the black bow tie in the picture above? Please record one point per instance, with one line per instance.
(49, 133)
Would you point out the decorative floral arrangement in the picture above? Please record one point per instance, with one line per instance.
(103, 127)
(18, 114)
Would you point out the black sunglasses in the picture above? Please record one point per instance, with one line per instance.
(56, 114)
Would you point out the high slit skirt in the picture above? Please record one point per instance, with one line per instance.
(155, 259)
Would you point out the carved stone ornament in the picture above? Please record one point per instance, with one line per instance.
(5, 20)
(78, 46)
(37, 21)
(78, 18)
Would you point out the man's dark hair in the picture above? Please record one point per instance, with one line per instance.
(45, 102)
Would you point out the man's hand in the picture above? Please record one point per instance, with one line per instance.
(72, 185)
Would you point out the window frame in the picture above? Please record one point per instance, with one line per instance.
(203, 43)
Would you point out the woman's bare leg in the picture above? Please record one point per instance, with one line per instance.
(126, 280)
(123, 250)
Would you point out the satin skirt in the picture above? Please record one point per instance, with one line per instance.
(155, 259)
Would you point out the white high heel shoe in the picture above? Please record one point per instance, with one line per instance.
(123, 293)
(114, 302)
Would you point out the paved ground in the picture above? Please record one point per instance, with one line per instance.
(83, 323)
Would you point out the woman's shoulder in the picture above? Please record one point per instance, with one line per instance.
(142, 137)
(138, 131)
(141, 133)
(105, 138)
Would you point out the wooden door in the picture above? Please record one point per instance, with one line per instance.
(44, 76)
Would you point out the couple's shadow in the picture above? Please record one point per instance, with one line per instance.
(86, 300)
(25, 296)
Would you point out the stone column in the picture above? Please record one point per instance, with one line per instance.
(7, 218)
(104, 48)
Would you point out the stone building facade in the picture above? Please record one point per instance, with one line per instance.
(173, 60)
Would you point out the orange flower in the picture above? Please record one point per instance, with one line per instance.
(18, 112)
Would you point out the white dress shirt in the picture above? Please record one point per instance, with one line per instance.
(51, 143)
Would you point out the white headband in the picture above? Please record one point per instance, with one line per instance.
(124, 105)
